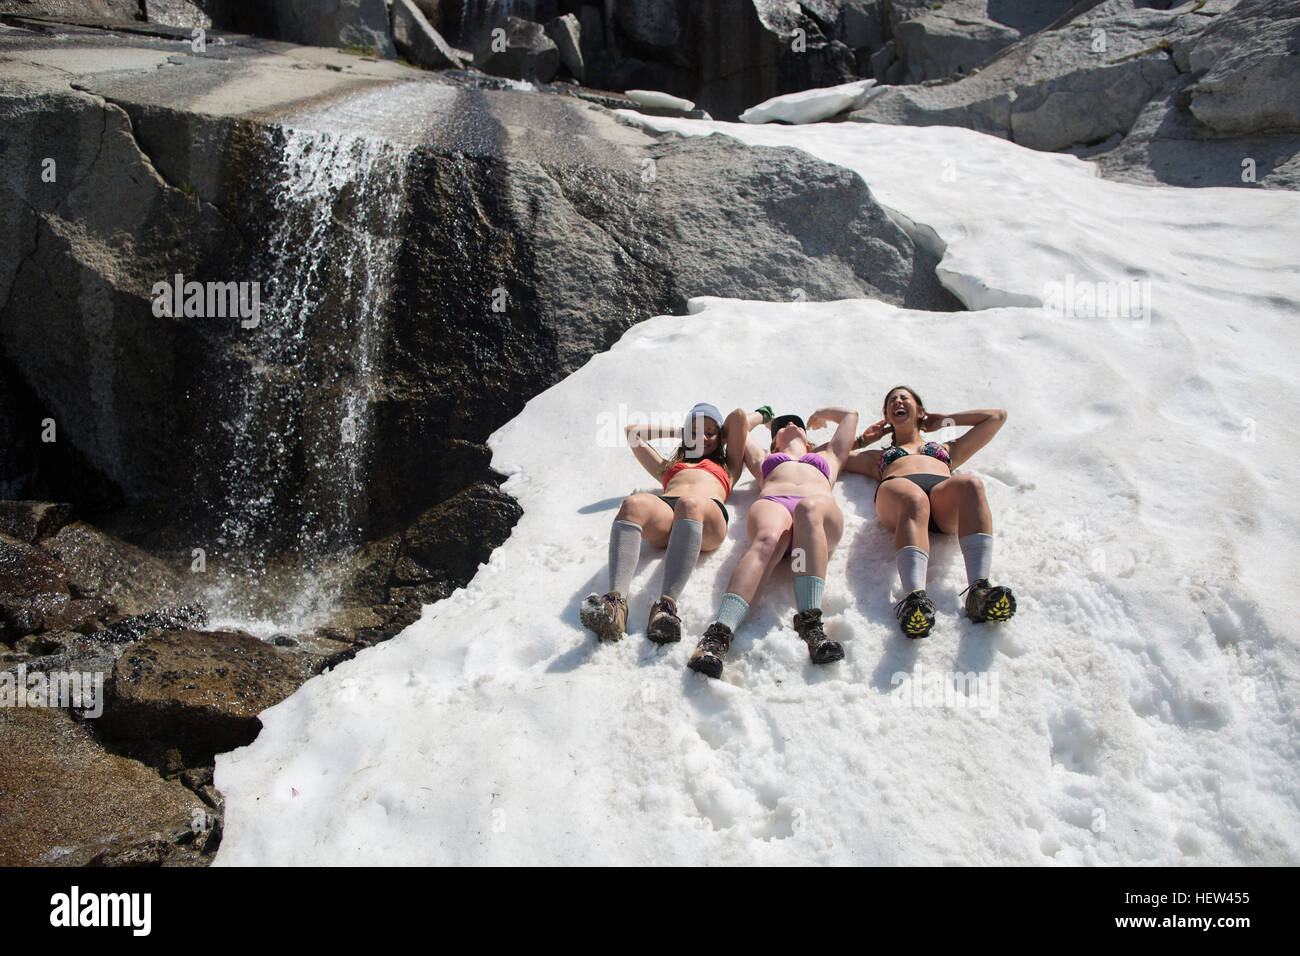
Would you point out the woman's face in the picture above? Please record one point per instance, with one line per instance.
(788, 433)
(703, 438)
(900, 407)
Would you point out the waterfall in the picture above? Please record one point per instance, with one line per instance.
(303, 409)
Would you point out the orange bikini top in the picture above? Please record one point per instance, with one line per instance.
(712, 467)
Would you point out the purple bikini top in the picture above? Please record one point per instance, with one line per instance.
(817, 461)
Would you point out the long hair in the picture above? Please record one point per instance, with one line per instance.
(884, 407)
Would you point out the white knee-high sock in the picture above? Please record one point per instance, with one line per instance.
(977, 552)
(683, 553)
(912, 565)
(624, 552)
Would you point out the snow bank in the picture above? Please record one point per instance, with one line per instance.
(812, 106)
(1140, 708)
(664, 101)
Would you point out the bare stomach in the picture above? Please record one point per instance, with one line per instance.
(686, 483)
(796, 478)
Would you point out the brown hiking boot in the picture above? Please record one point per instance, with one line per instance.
(821, 649)
(713, 647)
(605, 616)
(665, 626)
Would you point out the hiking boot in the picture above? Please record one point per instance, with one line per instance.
(606, 616)
(821, 649)
(986, 602)
(713, 647)
(665, 626)
(915, 614)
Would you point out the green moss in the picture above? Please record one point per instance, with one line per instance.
(355, 50)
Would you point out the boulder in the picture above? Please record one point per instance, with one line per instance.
(359, 24)
(1168, 145)
(452, 539)
(176, 13)
(34, 592)
(99, 565)
(522, 52)
(1077, 82)
(66, 800)
(31, 521)
(1251, 58)
(417, 40)
(940, 44)
(566, 33)
(198, 691)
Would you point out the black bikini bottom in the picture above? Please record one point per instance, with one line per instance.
(925, 482)
(672, 503)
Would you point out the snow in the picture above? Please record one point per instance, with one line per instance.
(653, 98)
(1139, 709)
(812, 106)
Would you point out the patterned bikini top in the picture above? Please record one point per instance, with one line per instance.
(895, 452)
(817, 461)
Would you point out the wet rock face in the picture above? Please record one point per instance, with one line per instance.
(525, 234)
(33, 590)
(96, 563)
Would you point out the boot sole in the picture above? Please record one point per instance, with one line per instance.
(665, 632)
(709, 666)
(598, 622)
(828, 653)
(916, 633)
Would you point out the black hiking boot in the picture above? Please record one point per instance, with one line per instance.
(713, 647)
(665, 626)
(915, 614)
(821, 649)
(986, 602)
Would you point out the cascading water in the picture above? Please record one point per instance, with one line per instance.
(301, 432)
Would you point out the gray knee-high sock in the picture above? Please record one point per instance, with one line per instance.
(977, 552)
(624, 552)
(912, 565)
(683, 552)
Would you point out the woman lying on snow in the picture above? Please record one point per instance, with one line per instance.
(795, 511)
(689, 517)
(933, 499)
